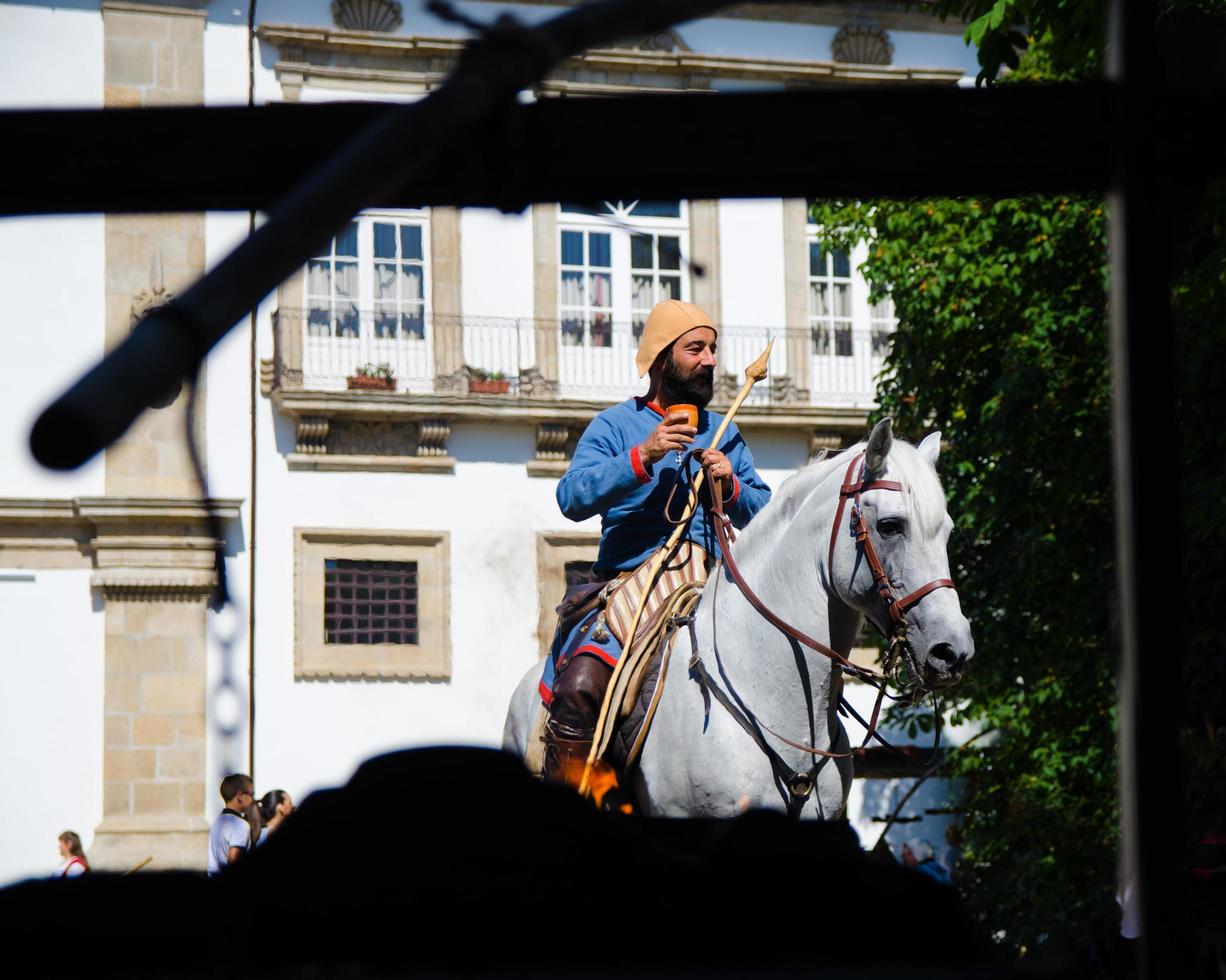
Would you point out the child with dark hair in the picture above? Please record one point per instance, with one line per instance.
(73, 854)
(230, 835)
(274, 806)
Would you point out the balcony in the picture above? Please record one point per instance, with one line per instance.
(456, 368)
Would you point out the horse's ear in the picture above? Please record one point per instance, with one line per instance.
(879, 445)
(930, 448)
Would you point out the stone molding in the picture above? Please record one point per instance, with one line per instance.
(428, 659)
(153, 584)
(189, 8)
(332, 58)
(886, 13)
(338, 442)
(400, 407)
(553, 550)
(148, 536)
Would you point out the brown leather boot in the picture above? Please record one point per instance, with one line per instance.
(566, 751)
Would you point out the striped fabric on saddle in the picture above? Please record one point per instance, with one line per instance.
(689, 564)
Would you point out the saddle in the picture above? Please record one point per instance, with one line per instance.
(611, 605)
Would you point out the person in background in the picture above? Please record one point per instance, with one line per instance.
(918, 854)
(75, 863)
(230, 835)
(274, 807)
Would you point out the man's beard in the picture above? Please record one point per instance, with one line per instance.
(694, 389)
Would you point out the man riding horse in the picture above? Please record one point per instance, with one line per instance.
(625, 465)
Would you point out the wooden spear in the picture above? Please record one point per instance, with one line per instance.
(753, 374)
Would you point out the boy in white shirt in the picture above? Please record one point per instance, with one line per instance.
(230, 835)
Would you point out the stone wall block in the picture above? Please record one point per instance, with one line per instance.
(126, 25)
(189, 62)
(174, 619)
(160, 798)
(120, 96)
(129, 764)
(193, 798)
(122, 693)
(172, 695)
(116, 731)
(186, 30)
(154, 729)
(129, 62)
(116, 798)
(165, 62)
(191, 727)
(181, 762)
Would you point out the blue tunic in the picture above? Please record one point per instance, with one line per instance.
(608, 477)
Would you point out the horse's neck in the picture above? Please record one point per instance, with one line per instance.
(777, 555)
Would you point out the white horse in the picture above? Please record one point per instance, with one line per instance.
(698, 760)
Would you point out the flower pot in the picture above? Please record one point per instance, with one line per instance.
(358, 383)
(488, 386)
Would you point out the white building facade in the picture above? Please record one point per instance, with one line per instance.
(383, 435)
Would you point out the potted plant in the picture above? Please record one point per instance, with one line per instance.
(482, 382)
(378, 377)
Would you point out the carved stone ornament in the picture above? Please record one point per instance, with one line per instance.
(785, 392)
(861, 44)
(726, 388)
(533, 384)
(347, 438)
(659, 41)
(151, 298)
(367, 15)
(312, 435)
(432, 437)
(821, 442)
(551, 440)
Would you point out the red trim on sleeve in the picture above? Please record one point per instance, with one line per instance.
(640, 471)
(600, 653)
(545, 692)
(736, 489)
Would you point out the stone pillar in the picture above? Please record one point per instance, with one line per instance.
(153, 55)
(704, 252)
(446, 304)
(154, 789)
(152, 574)
(545, 290)
(796, 292)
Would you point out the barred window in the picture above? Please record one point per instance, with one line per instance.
(579, 573)
(370, 601)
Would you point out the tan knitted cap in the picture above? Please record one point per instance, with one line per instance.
(668, 321)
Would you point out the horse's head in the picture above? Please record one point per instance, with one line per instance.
(902, 509)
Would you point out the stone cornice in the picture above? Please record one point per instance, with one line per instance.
(891, 15)
(164, 542)
(509, 410)
(598, 71)
(190, 8)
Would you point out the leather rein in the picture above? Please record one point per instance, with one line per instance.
(801, 784)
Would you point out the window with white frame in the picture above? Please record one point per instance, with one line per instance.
(370, 280)
(830, 309)
(882, 324)
(617, 260)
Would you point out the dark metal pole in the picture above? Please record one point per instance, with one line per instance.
(1148, 524)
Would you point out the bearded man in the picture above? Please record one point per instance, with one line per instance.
(625, 465)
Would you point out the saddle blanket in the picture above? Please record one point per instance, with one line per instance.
(578, 642)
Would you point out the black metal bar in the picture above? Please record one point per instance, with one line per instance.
(931, 141)
(1148, 513)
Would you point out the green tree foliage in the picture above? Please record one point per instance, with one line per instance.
(1002, 344)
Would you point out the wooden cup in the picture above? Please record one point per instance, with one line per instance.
(690, 412)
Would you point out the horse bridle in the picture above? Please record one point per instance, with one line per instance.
(801, 784)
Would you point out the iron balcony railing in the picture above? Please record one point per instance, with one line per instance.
(834, 365)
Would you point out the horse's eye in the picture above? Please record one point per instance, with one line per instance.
(891, 525)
